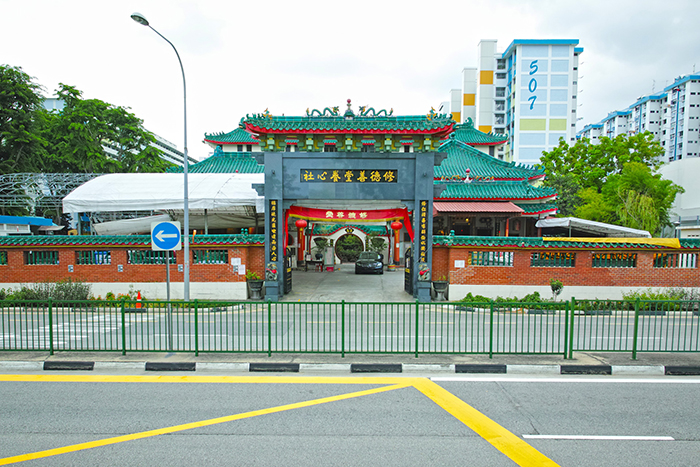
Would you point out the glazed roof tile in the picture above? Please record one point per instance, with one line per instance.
(467, 134)
(539, 243)
(420, 124)
(140, 241)
(461, 157)
(224, 162)
(537, 208)
(496, 191)
(237, 136)
(329, 229)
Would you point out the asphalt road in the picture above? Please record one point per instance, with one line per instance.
(300, 421)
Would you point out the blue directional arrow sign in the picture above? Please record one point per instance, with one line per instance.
(165, 236)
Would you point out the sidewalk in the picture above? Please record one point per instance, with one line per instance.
(582, 363)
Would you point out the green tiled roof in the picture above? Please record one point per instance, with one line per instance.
(329, 229)
(539, 208)
(358, 124)
(461, 157)
(537, 242)
(58, 241)
(466, 133)
(224, 162)
(237, 136)
(508, 191)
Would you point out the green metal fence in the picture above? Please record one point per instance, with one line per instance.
(351, 328)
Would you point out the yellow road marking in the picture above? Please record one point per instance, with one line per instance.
(509, 444)
(189, 426)
(506, 442)
(208, 379)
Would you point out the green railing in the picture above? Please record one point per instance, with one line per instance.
(93, 257)
(553, 259)
(351, 328)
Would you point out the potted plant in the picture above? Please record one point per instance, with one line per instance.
(320, 248)
(255, 284)
(440, 287)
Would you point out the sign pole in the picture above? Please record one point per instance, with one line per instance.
(167, 291)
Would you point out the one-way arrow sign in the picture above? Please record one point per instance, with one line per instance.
(165, 236)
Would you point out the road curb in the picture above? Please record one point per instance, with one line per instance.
(50, 365)
(274, 367)
(586, 370)
(376, 368)
(271, 367)
(171, 366)
(490, 368)
(682, 370)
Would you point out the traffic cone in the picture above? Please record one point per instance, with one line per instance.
(138, 299)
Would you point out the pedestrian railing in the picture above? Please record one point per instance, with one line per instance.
(351, 328)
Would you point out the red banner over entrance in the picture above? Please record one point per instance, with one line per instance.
(348, 216)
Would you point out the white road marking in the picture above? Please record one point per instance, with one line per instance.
(605, 438)
(566, 379)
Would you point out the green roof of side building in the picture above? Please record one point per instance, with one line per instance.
(496, 191)
(462, 157)
(237, 136)
(466, 133)
(225, 162)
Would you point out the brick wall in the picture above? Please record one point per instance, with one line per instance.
(16, 271)
(583, 274)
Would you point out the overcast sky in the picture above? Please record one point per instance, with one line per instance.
(286, 56)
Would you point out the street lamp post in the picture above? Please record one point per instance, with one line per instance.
(139, 18)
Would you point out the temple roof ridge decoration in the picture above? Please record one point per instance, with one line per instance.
(367, 121)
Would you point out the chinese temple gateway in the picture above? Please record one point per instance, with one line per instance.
(330, 172)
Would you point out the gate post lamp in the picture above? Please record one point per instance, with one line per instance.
(139, 18)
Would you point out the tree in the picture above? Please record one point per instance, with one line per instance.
(636, 198)
(77, 134)
(21, 145)
(614, 181)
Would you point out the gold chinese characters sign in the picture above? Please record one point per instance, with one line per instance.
(423, 232)
(274, 230)
(349, 176)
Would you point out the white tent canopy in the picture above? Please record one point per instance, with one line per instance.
(600, 228)
(219, 193)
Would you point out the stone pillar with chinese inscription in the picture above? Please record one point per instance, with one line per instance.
(423, 226)
(274, 226)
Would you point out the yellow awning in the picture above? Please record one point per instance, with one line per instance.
(665, 242)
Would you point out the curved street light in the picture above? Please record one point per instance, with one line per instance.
(139, 18)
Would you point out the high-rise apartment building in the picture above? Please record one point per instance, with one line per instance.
(529, 92)
(672, 116)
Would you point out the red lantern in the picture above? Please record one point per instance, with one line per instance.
(396, 225)
(301, 224)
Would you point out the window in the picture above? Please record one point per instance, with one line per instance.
(209, 256)
(500, 92)
(330, 148)
(501, 64)
(368, 148)
(93, 257)
(3, 258)
(240, 148)
(500, 76)
(40, 257)
(249, 148)
(147, 257)
(491, 258)
(546, 259)
(614, 260)
(676, 260)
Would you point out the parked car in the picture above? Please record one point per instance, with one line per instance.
(369, 262)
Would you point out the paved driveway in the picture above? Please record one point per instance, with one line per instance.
(344, 284)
